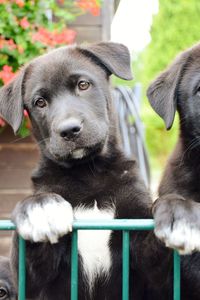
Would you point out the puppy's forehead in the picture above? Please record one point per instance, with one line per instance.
(60, 63)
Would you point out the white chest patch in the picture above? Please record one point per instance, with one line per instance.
(93, 245)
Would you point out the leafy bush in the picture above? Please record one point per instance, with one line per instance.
(27, 30)
(175, 28)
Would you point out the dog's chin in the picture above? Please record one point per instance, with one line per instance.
(79, 155)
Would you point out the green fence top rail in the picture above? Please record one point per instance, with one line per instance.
(7, 225)
(116, 224)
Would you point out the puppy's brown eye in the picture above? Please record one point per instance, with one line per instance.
(83, 85)
(3, 292)
(40, 102)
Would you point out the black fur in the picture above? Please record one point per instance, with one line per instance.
(179, 88)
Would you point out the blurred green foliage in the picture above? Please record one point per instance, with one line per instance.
(174, 28)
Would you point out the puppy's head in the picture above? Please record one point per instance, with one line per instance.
(67, 97)
(7, 290)
(178, 87)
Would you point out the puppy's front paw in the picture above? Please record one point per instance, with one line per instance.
(43, 217)
(177, 223)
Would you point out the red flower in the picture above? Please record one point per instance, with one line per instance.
(89, 5)
(95, 11)
(20, 3)
(7, 74)
(67, 36)
(53, 38)
(10, 44)
(24, 23)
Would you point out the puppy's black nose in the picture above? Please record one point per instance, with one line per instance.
(70, 128)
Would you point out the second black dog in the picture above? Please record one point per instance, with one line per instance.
(177, 211)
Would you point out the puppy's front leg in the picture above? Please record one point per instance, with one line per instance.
(43, 220)
(43, 217)
(177, 223)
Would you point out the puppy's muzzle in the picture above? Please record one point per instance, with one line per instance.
(70, 129)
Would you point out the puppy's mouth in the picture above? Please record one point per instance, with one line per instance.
(75, 154)
(79, 154)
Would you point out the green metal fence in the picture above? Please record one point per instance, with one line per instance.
(119, 224)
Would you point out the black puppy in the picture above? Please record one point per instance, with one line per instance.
(7, 290)
(177, 211)
(82, 174)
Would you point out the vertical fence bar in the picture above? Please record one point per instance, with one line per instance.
(22, 269)
(125, 265)
(177, 276)
(74, 266)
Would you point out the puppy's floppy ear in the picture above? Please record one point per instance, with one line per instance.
(113, 56)
(11, 103)
(162, 92)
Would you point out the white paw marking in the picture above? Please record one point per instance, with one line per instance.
(46, 221)
(93, 245)
(183, 236)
